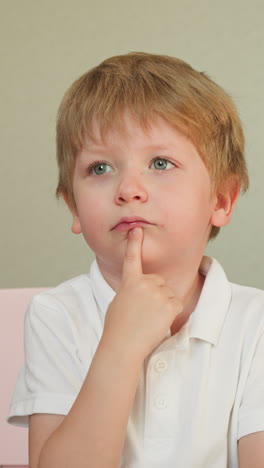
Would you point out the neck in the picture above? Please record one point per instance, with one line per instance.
(189, 300)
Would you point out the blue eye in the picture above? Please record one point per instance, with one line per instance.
(98, 168)
(162, 164)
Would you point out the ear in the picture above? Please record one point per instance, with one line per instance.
(76, 226)
(225, 201)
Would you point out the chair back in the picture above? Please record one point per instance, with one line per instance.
(13, 304)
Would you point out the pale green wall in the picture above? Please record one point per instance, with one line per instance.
(44, 46)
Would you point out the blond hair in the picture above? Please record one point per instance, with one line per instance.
(149, 85)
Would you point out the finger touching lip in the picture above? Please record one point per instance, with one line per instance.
(126, 226)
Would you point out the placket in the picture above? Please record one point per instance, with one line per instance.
(165, 378)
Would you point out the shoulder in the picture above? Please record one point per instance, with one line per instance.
(247, 301)
(69, 295)
(247, 313)
(69, 309)
(241, 301)
(238, 311)
(247, 292)
(73, 288)
(64, 320)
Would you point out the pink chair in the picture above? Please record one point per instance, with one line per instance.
(13, 440)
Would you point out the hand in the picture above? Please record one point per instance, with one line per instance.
(143, 310)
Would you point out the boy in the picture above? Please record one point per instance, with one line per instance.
(154, 359)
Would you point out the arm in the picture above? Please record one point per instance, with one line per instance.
(251, 412)
(41, 426)
(92, 434)
(251, 450)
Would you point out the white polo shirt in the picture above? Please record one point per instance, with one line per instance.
(199, 392)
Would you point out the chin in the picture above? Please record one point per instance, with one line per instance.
(151, 264)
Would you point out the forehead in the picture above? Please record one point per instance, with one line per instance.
(129, 130)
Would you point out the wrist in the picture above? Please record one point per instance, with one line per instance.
(121, 350)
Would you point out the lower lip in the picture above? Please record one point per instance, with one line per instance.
(128, 226)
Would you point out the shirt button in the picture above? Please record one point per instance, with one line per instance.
(160, 402)
(161, 365)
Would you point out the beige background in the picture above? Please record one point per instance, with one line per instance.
(44, 46)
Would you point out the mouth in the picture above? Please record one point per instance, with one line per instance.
(129, 223)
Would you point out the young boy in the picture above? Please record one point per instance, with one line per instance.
(153, 359)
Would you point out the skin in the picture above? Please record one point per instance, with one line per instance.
(92, 434)
(154, 270)
(177, 201)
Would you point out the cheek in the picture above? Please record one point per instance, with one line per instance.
(88, 211)
(91, 230)
(92, 219)
(88, 204)
(188, 212)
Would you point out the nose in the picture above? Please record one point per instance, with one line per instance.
(131, 188)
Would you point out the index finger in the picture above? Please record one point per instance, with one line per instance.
(132, 265)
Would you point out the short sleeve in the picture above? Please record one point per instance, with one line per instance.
(251, 412)
(53, 372)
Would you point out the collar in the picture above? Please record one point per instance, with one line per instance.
(209, 315)
(207, 319)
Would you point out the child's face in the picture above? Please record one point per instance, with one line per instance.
(157, 176)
